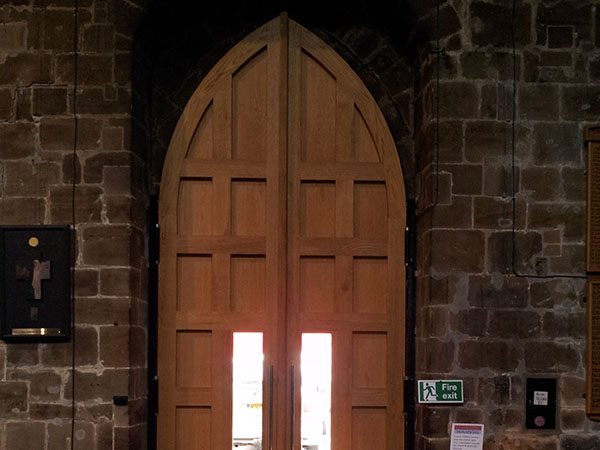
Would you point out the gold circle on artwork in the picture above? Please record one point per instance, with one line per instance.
(33, 242)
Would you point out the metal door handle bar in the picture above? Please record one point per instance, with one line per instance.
(292, 379)
(271, 408)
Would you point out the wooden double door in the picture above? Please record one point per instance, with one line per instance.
(282, 212)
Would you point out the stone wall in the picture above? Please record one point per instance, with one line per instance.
(37, 167)
(486, 314)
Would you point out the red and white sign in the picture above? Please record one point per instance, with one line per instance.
(466, 436)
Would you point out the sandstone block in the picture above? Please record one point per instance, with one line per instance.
(7, 103)
(572, 419)
(60, 354)
(492, 212)
(93, 170)
(14, 37)
(26, 68)
(551, 293)
(435, 421)
(49, 100)
(43, 386)
(579, 442)
(471, 322)
(548, 356)
(573, 184)
(99, 386)
(49, 411)
(95, 101)
(107, 245)
(58, 134)
(565, 325)
(102, 311)
(28, 179)
(17, 212)
(459, 100)
(484, 139)
(514, 324)
(16, 140)
(569, 14)
(22, 355)
(138, 344)
(543, 183)
(538, 102)
(496, 355)
(23, 111)
(527, 248)
(458, 250)
(438, 356)
(571, 260)
(498, 292)
(59, 27)
(568, 217)
(88, 204)
(98, 38)
(114, 346)
(27, 435)
(490, 22)
(67, 169)
(571, 391)
(580, 103)
(86, 282)
(14, 398)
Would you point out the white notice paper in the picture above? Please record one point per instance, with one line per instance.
(466, 436)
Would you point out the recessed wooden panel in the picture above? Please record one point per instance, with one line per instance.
(193, 426)
(317, 284)
(249, 109)
(194, 359)
(317, 209)
(369, 360)
(195, 207)
(369, 429)
(370, 285)
(318, 111)
(593, 208)
(194, 283)
(370, 210)
(363, 145)
(593, 348)
(201, 145)
(248, 283)
(248, 207)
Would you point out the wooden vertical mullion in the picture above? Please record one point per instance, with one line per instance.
(222, 376)
(167, 342)
(341, 390)
(221, 225)
(293, 233)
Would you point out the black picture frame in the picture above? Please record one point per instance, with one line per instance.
(35, 283)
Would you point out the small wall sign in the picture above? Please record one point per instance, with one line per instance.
(466, 436)
(440, 391)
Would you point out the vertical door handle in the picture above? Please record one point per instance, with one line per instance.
(271, 408)
(292, 380)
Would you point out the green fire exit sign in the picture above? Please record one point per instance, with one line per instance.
(440, 391)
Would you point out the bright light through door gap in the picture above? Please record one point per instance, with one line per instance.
(247, 391)
(315, 365)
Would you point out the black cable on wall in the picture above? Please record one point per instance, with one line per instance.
(513, 164)
(73, 218)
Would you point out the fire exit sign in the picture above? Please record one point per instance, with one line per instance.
(440, 391)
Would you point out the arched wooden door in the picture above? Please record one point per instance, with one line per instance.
(282, 211)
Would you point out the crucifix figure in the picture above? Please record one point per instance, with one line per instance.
(39, 272)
